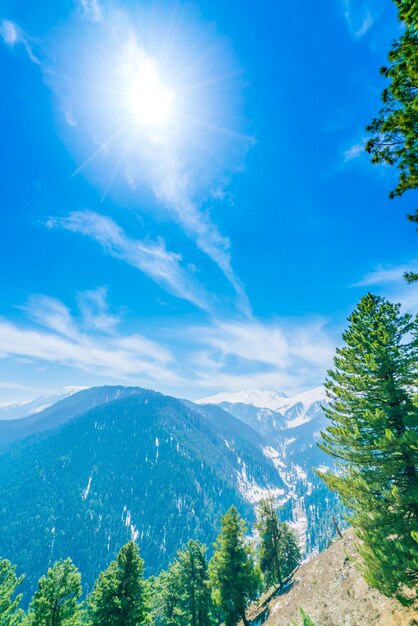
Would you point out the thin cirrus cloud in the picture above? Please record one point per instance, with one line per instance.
(387, 274)
(91, 10)
(232, 354)
(355, 151)
(224, 354)
(360, 15)
(389, 281)
(150, 257)
(13, 35)
(56, 336)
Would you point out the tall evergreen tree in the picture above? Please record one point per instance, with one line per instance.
(394, 131)
(10, 613)
(289, 551)
(235, 578)
(55, 602)
(182, 595)
(374, 439)
(279, 553)
(196, 600)
(166, 597)
(119, 597)
(268, 554)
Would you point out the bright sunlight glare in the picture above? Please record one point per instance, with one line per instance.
(150, 101)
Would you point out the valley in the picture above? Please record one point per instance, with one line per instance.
(107, 464)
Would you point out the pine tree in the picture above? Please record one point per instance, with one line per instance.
(289, 551)
(268, 555)
(279, 553)
(55, 602)
(166, 597)
(182, 595)
(235, 578)
(374, 439)
(195, 595)
(395, 130)
(10, 613)
(119, 597)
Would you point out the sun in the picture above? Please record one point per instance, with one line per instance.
(150, 101)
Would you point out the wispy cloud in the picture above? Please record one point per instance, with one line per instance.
(280, 354)
(354, 152)
(231, 354)
(388, 281)
(13, 35)
(358, 16)
(150, 257)
(58, 338)
(387, 274)
(95, 311)
(91, 10)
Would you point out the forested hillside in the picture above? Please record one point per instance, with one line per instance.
(143, 466)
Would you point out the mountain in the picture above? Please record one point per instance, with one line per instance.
(291, 428)
(268, 411)
(332, 591)
(263, 399)
(135, 464)
(61, 411)
(16, 410)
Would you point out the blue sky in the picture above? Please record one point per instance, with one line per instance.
(217, 240)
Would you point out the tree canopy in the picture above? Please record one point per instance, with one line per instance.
(373, 439)
(394, 132)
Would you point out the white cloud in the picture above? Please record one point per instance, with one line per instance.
(354, 152)
(288, 355)
(387, 274)
(151, 257)
(13, 35)
(95, 311)
(58, 338)
(51, 313)
(252, 354)
(388, 281)
(91, 10)
(360, 15)
(365, 25)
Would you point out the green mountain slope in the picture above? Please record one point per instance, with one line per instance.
(144, 465)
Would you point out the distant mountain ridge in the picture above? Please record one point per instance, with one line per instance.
(17, 410)
(270, 410)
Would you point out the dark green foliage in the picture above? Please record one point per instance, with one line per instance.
(235, 578)
(182, 595)
(55, 602)
(119, 596)
(279, 553)
(10, 613)
(166, 597)
(374, 439)
(289, 552)
(395, 131)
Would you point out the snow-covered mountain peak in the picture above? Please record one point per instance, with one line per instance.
(16, 410)
(263, 407)
(262, 398)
